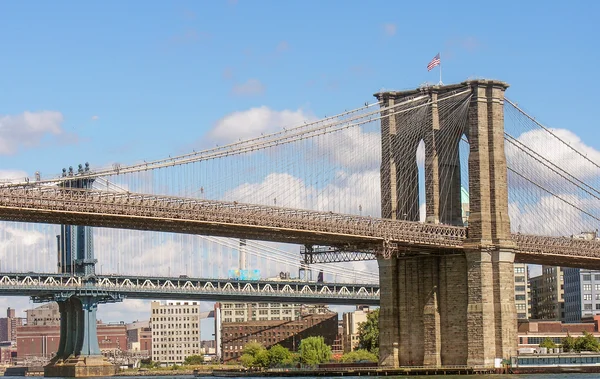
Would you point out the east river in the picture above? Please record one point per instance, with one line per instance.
(536, 376)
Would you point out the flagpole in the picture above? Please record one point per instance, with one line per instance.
(441, 69)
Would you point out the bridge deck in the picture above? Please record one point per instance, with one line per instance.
(231, 219)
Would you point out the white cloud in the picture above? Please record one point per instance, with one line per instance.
(27, 129)
(551, 149)
(352, 148)
(95, 118)
(351, 193)
(389, 29)
(254, 122)
(250, 88)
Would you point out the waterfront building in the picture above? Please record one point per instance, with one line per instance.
(532, 332)
(287, 333)
(175, 331)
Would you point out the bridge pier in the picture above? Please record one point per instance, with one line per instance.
(441, 307)
(78, 353)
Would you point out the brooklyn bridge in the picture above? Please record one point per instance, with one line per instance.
(384, 181)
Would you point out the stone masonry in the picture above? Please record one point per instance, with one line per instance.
(455, 309)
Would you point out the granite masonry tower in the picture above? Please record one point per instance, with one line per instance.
(447, 308)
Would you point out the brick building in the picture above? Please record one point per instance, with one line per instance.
(272, 332)
(42, 340)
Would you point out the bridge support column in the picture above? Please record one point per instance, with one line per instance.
(410, 311)
(388, 313)
(79, 353)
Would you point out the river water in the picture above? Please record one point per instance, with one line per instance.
(536, 376)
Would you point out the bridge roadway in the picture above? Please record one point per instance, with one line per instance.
(127, 210)
(42, 287)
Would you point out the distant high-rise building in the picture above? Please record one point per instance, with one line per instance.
(522, 301)
(582, 289)
(9, 325)
(175, 331)
(547, 292)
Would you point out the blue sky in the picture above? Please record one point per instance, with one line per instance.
(122, 82)
(141, 80)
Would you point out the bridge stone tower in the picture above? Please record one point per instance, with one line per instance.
(448, 308)
(78, 352)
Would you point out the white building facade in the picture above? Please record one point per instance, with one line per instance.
(175, 331)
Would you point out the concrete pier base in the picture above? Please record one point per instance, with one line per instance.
(80, 367)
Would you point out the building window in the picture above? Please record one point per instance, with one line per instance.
(587, 287)
(587, 297)
(587, 307)
(587, 277)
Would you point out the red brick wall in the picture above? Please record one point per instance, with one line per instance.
(41, 340)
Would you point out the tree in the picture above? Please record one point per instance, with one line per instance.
(254, 355)
(313, 351)
(568, 343)
(587, 342)
(253, 348)
(194, 360)
(368, 333)
(279, 356)
(547, 342)
(360, 355)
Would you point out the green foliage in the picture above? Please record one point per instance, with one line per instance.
(368, 333)
(194, 360)
(360, 355)
(587, 342)
(547, 342)
(313, 351)
(254, 355)
(568, 343)
(149, 364)
(253, 348)
(279, 356)
(175, 367)
(247, 360)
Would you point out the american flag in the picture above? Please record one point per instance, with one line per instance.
(434, 62)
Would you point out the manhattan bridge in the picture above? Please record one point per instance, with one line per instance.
(424, 198)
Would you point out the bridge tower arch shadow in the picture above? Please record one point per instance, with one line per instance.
(440, 308)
